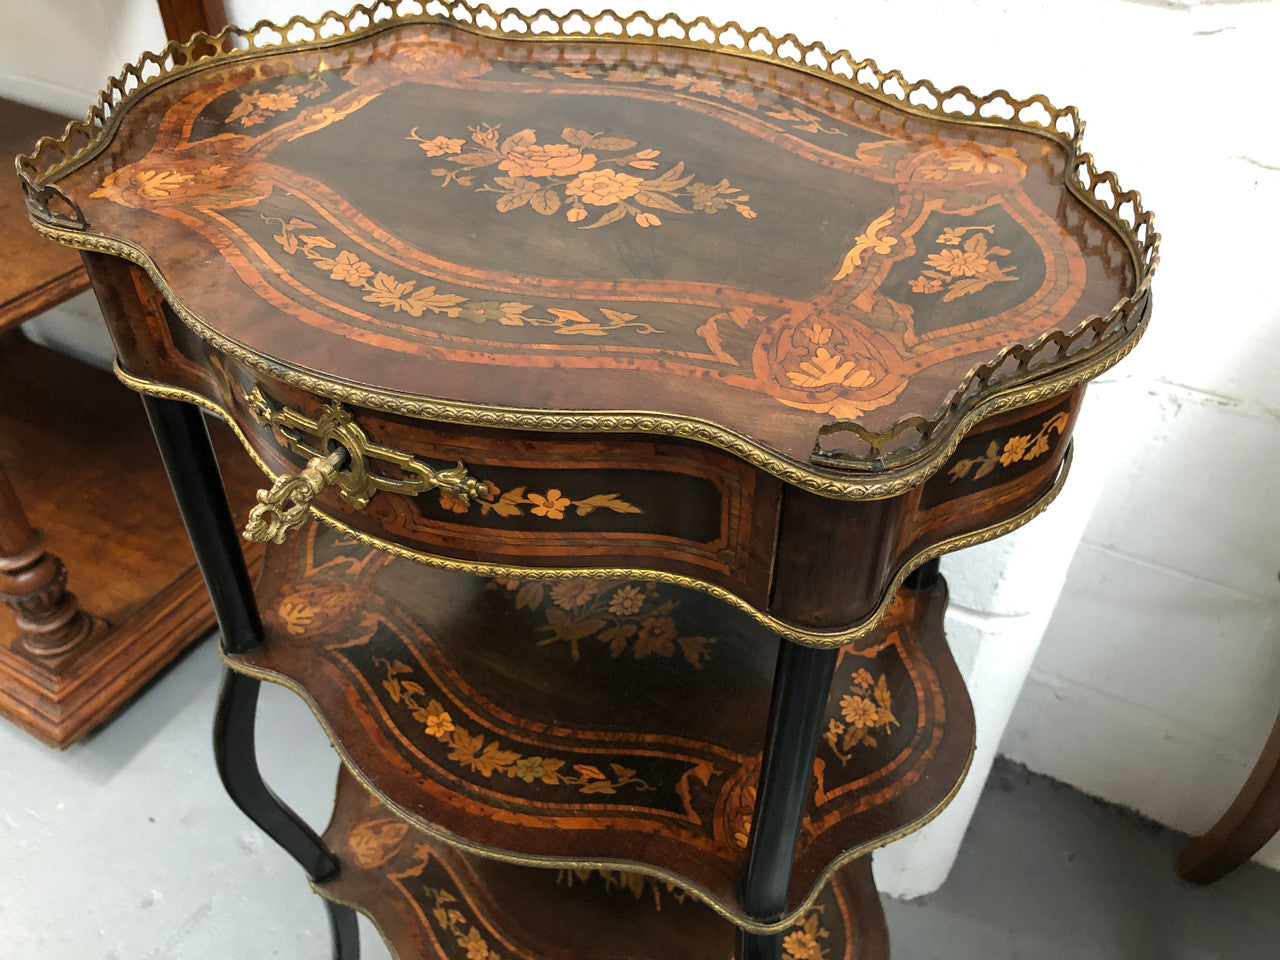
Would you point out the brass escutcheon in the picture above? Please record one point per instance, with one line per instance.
(341, 454)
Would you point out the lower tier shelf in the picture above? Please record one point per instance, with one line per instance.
(613, 724)
(432, 902)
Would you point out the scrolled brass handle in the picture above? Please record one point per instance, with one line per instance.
(286, 505)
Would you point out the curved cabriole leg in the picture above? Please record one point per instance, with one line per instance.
(235, 748)
(801, 681)
(193, 472)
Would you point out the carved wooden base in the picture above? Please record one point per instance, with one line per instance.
(90, 683)
(85, 472)
(431, 901)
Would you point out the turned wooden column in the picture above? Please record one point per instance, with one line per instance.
(33, 583)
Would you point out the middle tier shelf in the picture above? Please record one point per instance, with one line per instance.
(614, 725)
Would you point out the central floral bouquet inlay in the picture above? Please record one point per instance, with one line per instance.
(586, 176)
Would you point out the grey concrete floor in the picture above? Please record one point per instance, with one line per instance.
(125, 848)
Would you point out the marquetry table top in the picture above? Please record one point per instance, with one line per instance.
(456, 222)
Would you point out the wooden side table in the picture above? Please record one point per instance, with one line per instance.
(637, 372)
(76, 441)
(1251, 820)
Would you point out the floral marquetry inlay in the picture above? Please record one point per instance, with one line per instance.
(259, 105)
(962, 270)
(1015, 449)
(298, 237)
(578, 175)
(624, 616)
(429, 899)
(866, 707)
(504, 709)
(487, 756)
(552, 504)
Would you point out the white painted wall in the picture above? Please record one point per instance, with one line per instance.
(1158, 677)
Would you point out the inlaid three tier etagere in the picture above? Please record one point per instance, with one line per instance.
(620, 380)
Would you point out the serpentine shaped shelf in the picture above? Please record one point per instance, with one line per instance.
(429, 900)
(679, 300)
(602, 723)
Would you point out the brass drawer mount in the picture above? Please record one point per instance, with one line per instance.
(340, 453)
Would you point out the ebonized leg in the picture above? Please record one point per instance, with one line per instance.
(236, 753)
(344, 931)
(801, 682)
(193, 471)
(235, 750)
(924, 576)
(192, 467)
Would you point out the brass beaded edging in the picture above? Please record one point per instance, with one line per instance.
(805, 636)
(659, 873)
(567, 863)
(837, 474)
(825, 483)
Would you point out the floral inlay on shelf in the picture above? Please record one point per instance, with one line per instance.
(453, 922)
(624, 615)
(577, 176)
(406, 296)
(808, 940)
(470, 750)
(374, 842)
(963, 266)
(258, 106)
(865, 707)
(1015, 449)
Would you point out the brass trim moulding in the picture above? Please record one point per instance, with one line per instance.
(835, 484)
(879, 463)
(805, 636)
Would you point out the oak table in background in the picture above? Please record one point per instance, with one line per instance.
(620, 385)
(81, 486)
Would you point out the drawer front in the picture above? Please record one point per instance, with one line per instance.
(552, 500)
(545, 500)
